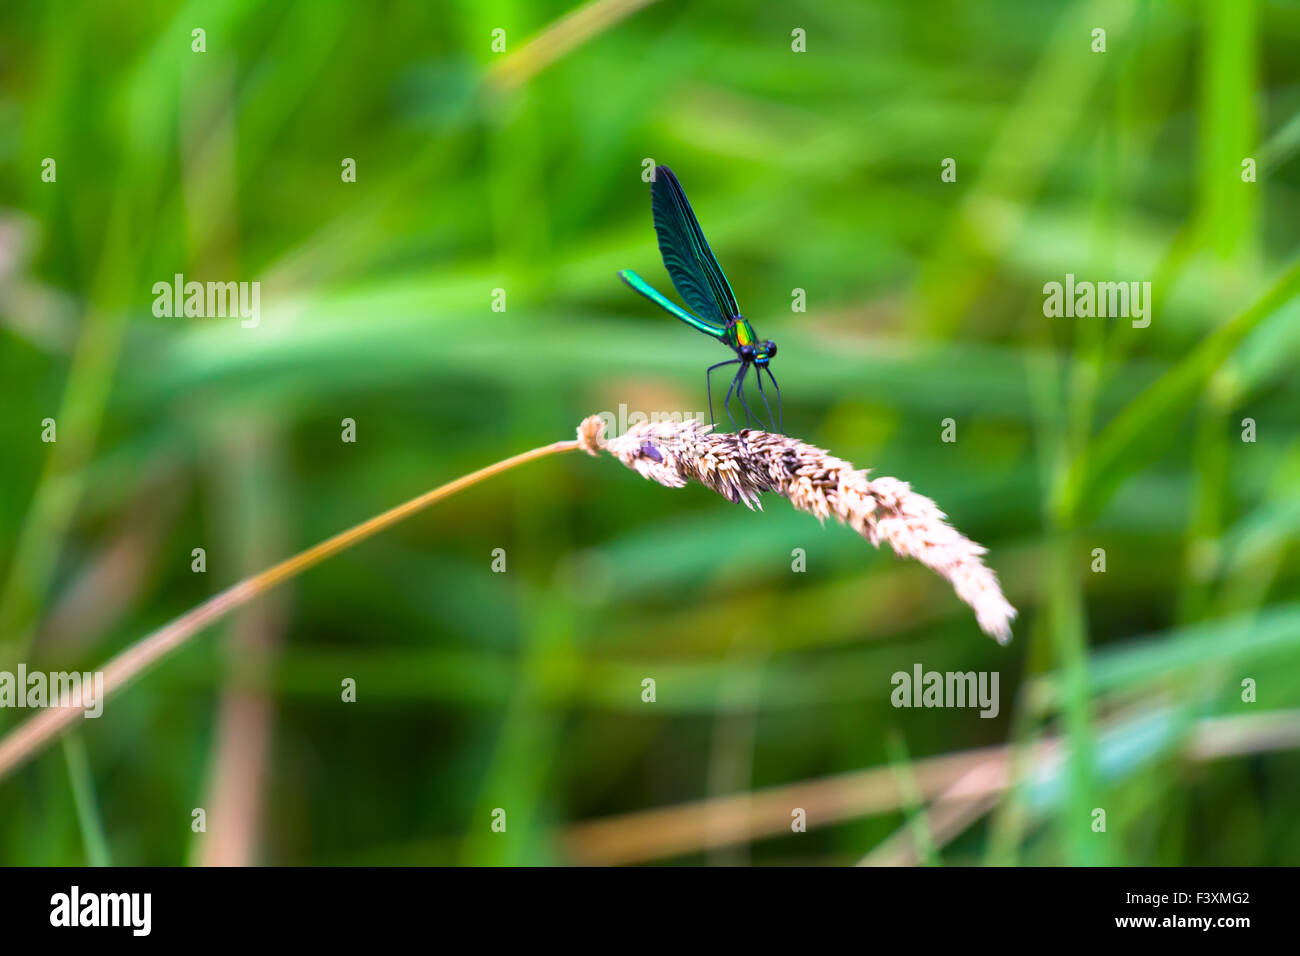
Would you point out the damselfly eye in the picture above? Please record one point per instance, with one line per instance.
(770, 348)
(746, 351)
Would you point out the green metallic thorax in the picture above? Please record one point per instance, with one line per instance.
(739, 332)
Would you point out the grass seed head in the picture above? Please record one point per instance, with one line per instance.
(742, 466)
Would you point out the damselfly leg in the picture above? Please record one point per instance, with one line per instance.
(708, 388)
(759, 375)
(740, 391)
(726, 403)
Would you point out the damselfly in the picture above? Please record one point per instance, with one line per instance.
(700, 282)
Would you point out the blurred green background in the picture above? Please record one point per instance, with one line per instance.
(816, 170)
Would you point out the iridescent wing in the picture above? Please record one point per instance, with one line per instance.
(696, 275)
(668, 305)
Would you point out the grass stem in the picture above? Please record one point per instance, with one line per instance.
(29, 737)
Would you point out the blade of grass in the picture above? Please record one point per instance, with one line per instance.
(1144, 427)
(83, 793)
(918, 822)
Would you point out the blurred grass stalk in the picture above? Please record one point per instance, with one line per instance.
(963, 786)
(561, 37)
(252, 505)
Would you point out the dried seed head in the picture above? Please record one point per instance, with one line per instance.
(742, 466)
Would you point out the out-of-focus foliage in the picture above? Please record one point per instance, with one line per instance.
(818, 171)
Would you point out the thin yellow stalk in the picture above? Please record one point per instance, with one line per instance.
(30, 736)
